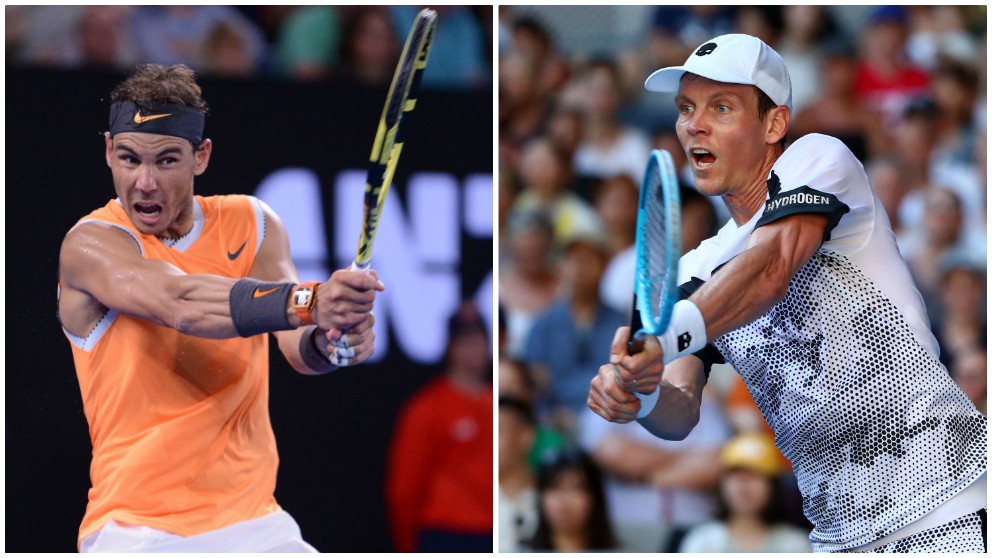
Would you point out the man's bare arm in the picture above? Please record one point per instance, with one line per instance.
(681, 386)
(759, 277)
(101, 267)
(274, 263)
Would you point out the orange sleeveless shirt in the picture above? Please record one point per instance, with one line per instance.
(180, 426)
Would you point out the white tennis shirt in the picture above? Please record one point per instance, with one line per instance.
(845, 368)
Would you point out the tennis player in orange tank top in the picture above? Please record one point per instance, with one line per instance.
(167, 300)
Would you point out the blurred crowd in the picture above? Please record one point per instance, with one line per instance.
(903, 87)
(305, 43)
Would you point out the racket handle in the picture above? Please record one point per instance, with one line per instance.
(635, 346)
(364, 267)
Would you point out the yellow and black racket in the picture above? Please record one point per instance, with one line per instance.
(388, 143)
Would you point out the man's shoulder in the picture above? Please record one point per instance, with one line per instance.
(821, 162)
(226, 202)
(815, 145)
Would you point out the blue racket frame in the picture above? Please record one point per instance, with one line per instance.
(648, 318)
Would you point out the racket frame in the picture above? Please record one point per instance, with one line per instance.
(391, 132)
(646, 319)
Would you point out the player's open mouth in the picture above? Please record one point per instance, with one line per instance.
(702, 158)
(148, 212)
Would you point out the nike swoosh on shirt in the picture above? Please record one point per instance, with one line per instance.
(233, 256)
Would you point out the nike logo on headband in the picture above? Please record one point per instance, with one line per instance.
(138, 119)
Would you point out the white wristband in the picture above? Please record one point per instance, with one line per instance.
(647, 402)
(685, 335)
(686, 332)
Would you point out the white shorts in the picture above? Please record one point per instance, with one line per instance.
(275, 532)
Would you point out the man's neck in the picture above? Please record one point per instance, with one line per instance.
(747, 201)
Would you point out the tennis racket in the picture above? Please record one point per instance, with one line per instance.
(388, 144)
(658, 246)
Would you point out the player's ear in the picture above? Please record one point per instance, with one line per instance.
(108, 147)
(777, 124)
(202, 154)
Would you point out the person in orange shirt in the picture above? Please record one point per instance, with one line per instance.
(167, 298)
(439, 487)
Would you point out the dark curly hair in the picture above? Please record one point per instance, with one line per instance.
(161, 83)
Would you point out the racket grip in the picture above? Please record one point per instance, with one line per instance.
(635, 345)
(364, 267)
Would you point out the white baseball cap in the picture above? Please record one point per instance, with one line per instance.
(732, 58)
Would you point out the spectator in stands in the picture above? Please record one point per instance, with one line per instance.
(307, 43)
(914, 151)
(568, 340)
(955, 91)
(457, 59)
(971, 373)
(939, 239)
(608, 148)
(750, 520)
(836, 109)
(528, 281)
(226, 52)
(616, 204)
(565, 130)
(530, 35)
(761, 21)
(886, 80)
(517, 484)
(678, 30)
(573, 512)
(175, 34)
(658, 488)
(805, 31)
(886, 179)
(939, 33)
(103, 41)
(699, 219)
(545, 176)
(370, 47)
(439, 484)
(516, 382)
(92, 37)
(699, 222)
(961, 324)
(524, 104)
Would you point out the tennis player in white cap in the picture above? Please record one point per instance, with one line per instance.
(804, 292)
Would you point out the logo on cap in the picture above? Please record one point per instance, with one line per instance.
(706, 49)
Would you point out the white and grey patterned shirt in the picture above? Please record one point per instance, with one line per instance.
(845, 368)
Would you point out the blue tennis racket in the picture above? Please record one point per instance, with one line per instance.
(659, 246)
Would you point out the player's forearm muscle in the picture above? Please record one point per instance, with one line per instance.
(105, 264)
(677, 410)
(759, 277)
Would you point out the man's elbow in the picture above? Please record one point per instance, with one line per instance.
(675, 436)
(677, 431)
(775, 283)
(186, 319)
